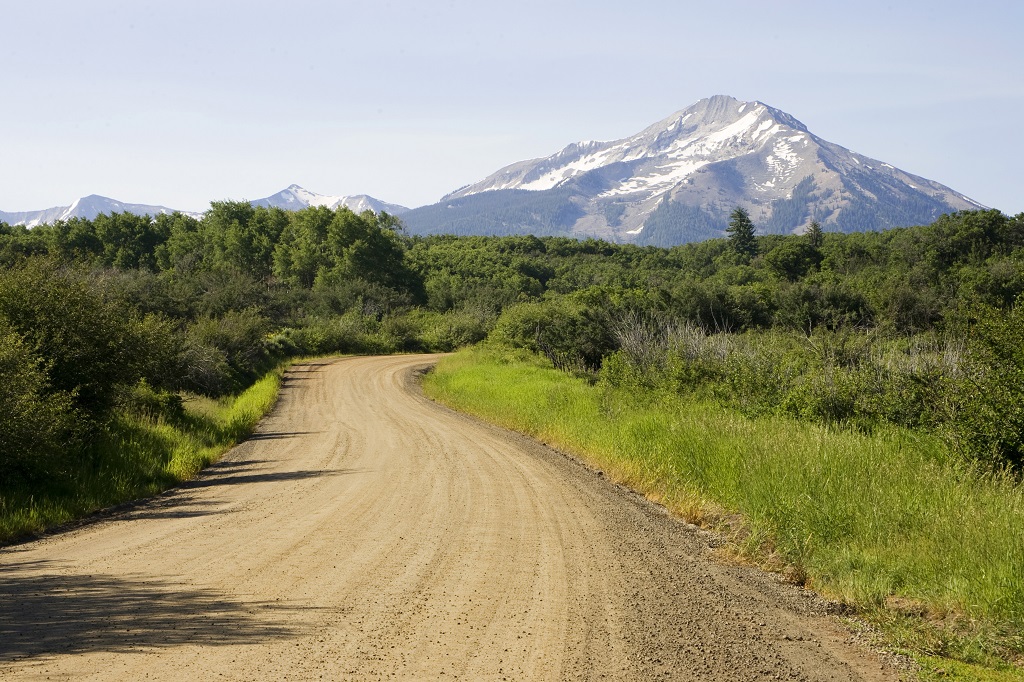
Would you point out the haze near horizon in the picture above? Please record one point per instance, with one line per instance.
(180, 105)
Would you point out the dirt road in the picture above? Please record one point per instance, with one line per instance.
(365, 533)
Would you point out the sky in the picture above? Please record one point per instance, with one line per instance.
(182, 103)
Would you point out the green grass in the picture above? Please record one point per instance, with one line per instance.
(136, 456)
(925, 546)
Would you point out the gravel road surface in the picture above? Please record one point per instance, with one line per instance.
(365, 533)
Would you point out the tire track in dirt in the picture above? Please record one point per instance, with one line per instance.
(364, 532)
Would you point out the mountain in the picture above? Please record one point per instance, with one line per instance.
(678, 180)
(295, 198)
(87, 207)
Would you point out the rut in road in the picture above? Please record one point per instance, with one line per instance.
(364, 532)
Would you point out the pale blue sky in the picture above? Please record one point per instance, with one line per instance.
(180, 103)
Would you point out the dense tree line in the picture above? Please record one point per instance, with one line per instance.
(122, 311)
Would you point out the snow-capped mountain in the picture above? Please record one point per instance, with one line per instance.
(87, 207)
(678, 179)
(295, 198)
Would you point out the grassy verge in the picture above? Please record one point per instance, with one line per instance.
(136, 456)
(924, 546)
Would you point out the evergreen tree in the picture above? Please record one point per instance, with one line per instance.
(815, 235)
(741, 233)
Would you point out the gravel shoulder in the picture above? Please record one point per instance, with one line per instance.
(364, 532)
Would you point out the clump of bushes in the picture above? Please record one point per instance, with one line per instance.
(967, 387)
(406, 332)
(37, 423)
(986, 402)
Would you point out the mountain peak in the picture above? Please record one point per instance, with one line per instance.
(292, 198)
(710, 157)
(87, 207)
(677, 146)
(295, 198)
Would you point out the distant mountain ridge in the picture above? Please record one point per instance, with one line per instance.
(292, 198)
(678, 179)
(673, 182)
(87, 207)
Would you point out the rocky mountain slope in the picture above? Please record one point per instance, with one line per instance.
(678, 179)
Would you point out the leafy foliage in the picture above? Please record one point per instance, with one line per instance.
(987, 419)
(36, 423)
(206, 305)
(91, 344)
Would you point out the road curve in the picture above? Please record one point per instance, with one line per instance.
(364, 532)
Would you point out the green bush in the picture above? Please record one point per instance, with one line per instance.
(571, 335)
(452, 330)
(352, 332)
(37, 424)
(223, 354)
(91, 344)
(793, 259)
(849, 378)
(146, 402)
(987, 402)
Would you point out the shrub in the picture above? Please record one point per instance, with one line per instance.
(37, 424)
(90, 343)
(986, 405)
(352, 332)
(225, 353)
(571, 335)
(452, 330)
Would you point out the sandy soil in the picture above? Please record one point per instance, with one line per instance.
(366, 533)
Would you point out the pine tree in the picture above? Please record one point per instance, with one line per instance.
(741, 234)
(815, 235)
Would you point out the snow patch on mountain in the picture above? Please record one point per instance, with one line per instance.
(715, 155)
(295, 198)
(86, 208)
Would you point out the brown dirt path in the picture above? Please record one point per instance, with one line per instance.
(366, 533)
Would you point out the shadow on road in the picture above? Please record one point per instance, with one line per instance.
(174, 506)
(183, 501)
(278, 435)
(45, 613)
(228, 472)
(239, 478)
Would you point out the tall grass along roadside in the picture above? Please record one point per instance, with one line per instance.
(885, 519)
(141, 452)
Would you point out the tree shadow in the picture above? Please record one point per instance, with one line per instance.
(237, 478)
(279, 435)
(237, 472)
(47, 612)
(175, 506)
(183, 501)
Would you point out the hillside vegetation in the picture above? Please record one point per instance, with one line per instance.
(889, 361)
